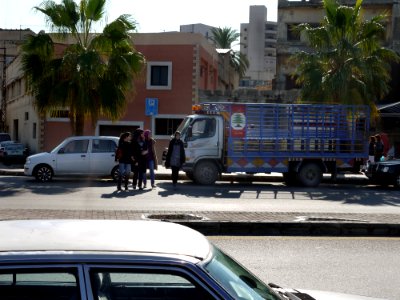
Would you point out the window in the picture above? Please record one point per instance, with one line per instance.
(146, 284)
(39, 284)
(166, 126)
(34, 128)
(79, 146)
(203, 128)
(103, 146)
(26, 116)
(159, 75)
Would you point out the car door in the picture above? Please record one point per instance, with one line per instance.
(73, 158)
(102, 156)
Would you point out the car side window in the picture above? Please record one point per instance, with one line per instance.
(78, 146)
(103, 146)
(145, 284)
(39, 284)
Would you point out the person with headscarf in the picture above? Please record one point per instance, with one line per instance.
(151, 158)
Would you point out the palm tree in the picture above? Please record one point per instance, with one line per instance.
(90, 76)
(224, 38)
(347, 63)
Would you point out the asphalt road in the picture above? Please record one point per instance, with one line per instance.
(19, 192)
(363, 266)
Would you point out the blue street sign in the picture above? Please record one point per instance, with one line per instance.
(151, 107)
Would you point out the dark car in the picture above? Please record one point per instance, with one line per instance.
(384, 172)
(13, 152)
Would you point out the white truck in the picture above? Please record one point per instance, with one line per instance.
(302, 141)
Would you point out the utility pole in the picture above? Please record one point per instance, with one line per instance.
(3, 123)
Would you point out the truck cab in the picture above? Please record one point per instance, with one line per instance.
(203, 138)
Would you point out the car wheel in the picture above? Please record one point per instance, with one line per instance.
(115, 173)
(43, 173)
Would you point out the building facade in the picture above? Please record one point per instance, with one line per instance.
(185, 65)
(258, 40)
(10, 40)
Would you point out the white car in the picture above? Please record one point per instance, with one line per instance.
(126, 260)
(76, 156)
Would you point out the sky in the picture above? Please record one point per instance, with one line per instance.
(150, 15)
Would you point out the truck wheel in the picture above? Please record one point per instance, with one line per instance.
(206, 172)
(43, 173)
(310, 175)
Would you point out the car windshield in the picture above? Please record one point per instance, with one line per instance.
(236, 279)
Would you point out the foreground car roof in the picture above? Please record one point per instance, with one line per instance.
(102, 235)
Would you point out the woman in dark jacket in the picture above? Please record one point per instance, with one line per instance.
(125, 159)
(175, 156)
(140, 152)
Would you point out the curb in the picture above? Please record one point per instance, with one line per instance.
(294, 229)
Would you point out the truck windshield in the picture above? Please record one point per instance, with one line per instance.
(236, 279)
(183, 127)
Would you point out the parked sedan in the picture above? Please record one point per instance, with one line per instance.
(76, 156)
(119, 259)
(384, 172)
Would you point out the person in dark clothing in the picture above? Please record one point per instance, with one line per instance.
(371, 149)
(125, 158)
(151, 158)
(378, 148)
(175, 156)
(140, 151)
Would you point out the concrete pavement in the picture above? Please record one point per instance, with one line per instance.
(235, 223)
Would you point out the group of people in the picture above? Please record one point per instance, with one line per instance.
(375, 148)
(136, 153)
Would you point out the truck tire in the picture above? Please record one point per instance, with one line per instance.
(310, 175)
(206, 172)
(43, 173)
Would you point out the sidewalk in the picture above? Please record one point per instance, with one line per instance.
(235, 223)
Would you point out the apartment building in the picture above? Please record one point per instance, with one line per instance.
(10, 40)
(203, 29)
(292, 13)
(258, 40)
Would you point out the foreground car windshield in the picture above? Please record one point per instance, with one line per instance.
(236, 279)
